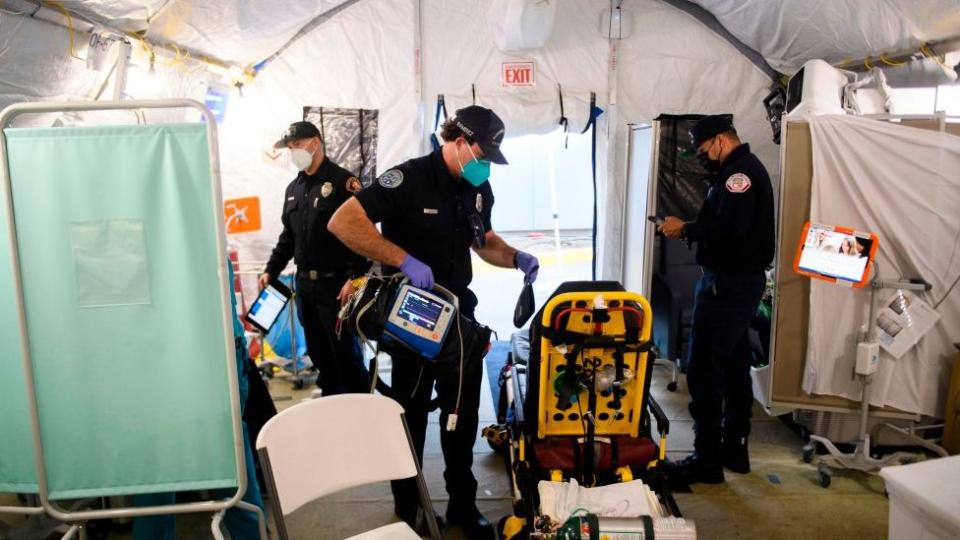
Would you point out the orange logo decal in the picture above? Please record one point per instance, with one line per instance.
(242, 215)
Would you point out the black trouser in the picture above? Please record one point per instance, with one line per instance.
(339, 361)
(412, 385)
(718, 373)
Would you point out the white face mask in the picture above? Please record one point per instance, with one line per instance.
(301, 159)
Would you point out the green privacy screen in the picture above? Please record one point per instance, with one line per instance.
(17, 473)
(120, 269)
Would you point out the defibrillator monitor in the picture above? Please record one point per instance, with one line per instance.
(267, 307)
(420, 320)
(836, 254)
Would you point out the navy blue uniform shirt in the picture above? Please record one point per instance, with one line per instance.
(426, 211)
(309, 203)
(734, 230)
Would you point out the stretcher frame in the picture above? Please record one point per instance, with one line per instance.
(51, 508)
(520, 439)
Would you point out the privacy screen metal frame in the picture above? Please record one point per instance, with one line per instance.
(51, 508)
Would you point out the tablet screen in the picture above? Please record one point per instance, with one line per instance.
(265, 310)
(836, 253)
(420, 310)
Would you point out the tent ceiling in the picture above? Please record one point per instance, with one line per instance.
(243, 33)
(789, 32)
(128, 15)
(785, 32)
(239, 32)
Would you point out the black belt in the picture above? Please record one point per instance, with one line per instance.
(314, 275)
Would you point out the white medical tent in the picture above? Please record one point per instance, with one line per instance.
(594, 67)
(396, 56)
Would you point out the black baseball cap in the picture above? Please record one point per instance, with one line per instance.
(709, 127)
(297, 131)
(484, 127)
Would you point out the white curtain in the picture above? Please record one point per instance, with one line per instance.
(902, 184)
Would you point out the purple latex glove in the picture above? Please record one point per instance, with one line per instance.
(420, 274)
(528, 264)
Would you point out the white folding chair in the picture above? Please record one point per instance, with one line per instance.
(348, 440)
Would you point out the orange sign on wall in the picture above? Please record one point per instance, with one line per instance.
(242, 215)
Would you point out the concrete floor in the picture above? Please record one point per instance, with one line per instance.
(779, 499)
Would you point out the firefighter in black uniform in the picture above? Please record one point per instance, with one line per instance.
(324, 265)
(735, 244)
(433, 209)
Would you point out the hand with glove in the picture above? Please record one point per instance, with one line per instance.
(528, 264)
(420, 274)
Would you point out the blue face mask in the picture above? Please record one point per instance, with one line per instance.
(476, 171)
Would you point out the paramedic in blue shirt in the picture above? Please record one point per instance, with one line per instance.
(433, 210)
(735, 244)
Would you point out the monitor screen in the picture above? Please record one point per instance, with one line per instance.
(835, 254)
(420, 310)
(267, 307)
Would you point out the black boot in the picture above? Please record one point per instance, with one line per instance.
(735, 454)
(474, 525)
(694, 469)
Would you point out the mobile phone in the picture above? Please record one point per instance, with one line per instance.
(656, 220)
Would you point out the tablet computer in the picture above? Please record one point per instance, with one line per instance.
(836, 254)
(268, 306)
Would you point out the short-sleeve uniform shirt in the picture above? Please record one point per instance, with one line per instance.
(434, 217)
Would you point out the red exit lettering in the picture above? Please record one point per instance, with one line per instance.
(518, 74)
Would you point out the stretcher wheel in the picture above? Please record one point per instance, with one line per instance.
(823, 476)
(823, 479)
(500, 448)
(672, 386)
(808, 452)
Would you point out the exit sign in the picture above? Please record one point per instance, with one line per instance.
(518, 74)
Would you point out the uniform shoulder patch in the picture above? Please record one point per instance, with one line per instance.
(391, 179)
(354, 185)
(738, 183)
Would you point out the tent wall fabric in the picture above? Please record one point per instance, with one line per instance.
(129, 15)
(396, 56)
(362, 57)
(790, 32)
(35, 63)
(672, 64)
(901, 183)
(244, 33)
